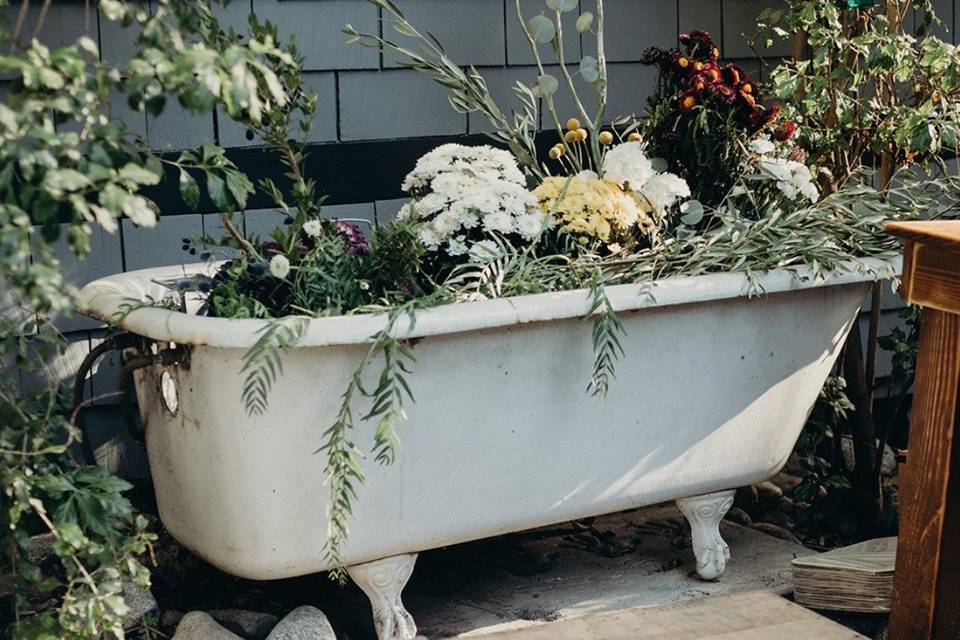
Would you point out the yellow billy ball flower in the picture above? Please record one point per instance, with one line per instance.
(581, 135)
(605, 138)
(555, 153)
(634, 137)
(571, 136)
(573, 124)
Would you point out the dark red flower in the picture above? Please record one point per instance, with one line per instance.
(734, 75)
(722, 93)
(699, 45)
(785, 131)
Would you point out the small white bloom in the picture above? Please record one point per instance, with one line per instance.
(498, 221)
(627, 165)
(406, 211)
(429, 237)
(762, 146)
(456, 246)
(529, 225)
(279, 266)
(446, 223)
(312, 228)
(664, 189)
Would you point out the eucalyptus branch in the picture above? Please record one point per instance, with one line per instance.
(547, 97)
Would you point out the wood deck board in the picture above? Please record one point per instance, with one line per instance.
(746, 616)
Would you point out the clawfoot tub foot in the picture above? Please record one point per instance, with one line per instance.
(382, 581)
(704, 514)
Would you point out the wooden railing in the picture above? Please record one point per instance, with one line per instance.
(926, 591)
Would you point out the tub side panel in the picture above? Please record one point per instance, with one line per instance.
(502, 436)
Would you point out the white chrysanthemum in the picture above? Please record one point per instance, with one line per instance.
(529, 225)
(762, 146)
(446, 223)
(499, 221)
(431, 203)
(312, 228)
(627, 165)
(279, 266)
(457, 246)
(429, 237)
(406, 211)
(484, 251)
(664, 190)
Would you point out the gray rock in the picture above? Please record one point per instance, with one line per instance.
(303, 623)
(197, 625)
(249, 624)
(140, 601)
(888, 466)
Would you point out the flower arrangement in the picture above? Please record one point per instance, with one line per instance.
(703, 114)
(465, 195)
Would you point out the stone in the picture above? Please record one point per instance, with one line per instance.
(198, 625)
(250, 624)
(739, 516)
(139, 600)
(303, 623)
(786, 481)
(769, 491)
(888, 467)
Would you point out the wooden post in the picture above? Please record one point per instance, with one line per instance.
(926, 589)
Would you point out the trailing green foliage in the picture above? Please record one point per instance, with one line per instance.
(605, 336)
(263, 362)
(344, 469)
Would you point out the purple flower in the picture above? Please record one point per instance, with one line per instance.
(353, 238)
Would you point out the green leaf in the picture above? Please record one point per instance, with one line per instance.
(240, 186)
(692, 213)
(189, 190)
(584, 22)
(542, 29)
(217, 189)
(589, 69)
(139, 175)
(546, 85)
(60, 180)
(563, 5)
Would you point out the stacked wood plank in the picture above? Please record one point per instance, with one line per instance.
(854, 578)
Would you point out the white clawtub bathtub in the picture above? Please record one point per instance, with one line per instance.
(712, 394)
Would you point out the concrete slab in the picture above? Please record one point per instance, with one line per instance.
(631, 559)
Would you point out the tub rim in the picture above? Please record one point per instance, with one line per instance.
(103, 299)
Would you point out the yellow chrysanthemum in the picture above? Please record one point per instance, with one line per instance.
(593, 209)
